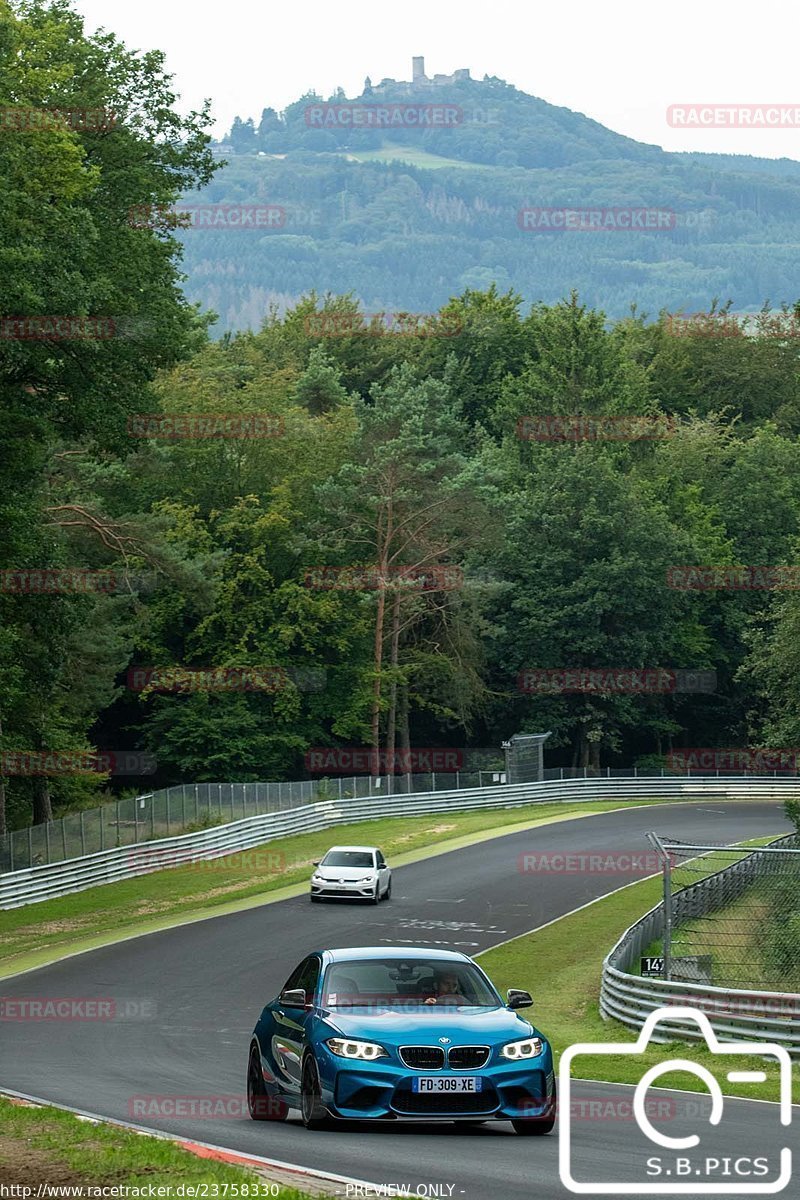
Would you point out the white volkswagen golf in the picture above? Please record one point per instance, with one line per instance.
(355, 872)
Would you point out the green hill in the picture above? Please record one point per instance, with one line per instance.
(405, 217)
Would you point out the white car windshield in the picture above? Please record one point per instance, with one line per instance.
(348, 858)
(402, 983)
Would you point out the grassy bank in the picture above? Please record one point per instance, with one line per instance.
(561, 966)
(42, 1146)
(39, 933)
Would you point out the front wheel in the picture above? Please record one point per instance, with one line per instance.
(260, 1104)
(387, 895)
(538, 1126)
(312, 1110)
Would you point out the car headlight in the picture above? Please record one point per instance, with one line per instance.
(367, 879)
(529, 1048)
(346, 1048)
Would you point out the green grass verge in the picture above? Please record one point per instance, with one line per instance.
(45, 1145)
(561, 966)
(40, 933)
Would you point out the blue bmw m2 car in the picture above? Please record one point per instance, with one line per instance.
(399, 1034)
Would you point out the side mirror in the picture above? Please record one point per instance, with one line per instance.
(517, 998)
(293, 998)
(315, 862)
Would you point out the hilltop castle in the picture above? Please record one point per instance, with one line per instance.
(419, 80)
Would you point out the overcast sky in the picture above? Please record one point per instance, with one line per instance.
(622, 62)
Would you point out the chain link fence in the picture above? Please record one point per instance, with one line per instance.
(189, 807)
(731, 915)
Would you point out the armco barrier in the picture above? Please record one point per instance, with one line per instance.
(735, 1014)
(125, 862)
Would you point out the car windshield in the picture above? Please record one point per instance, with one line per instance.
(406, 983)
(348, 858)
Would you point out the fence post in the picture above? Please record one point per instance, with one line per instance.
(168, 829)
(196, 804)
(64, 837)
(102, 830)
(153, 814)
(47, 838)
(83, 833)
(667, 917)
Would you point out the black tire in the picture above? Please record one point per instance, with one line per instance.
(538, 1126)
(314, 1113)
(314, 899)
(376, 899)
(260, 1104)
(388, 892)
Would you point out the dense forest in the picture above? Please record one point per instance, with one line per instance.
(362, 515)
(405, 218)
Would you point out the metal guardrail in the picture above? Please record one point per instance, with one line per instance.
(735, 1013)
(126, 862)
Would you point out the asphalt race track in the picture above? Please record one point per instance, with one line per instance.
(190, 997)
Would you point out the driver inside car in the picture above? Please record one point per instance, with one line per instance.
(448, 989)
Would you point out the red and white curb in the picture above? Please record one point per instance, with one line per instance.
(290, 1174)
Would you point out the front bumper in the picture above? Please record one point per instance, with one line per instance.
(383, 1089)
(344, 890)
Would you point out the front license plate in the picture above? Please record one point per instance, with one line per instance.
(445, 1083)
